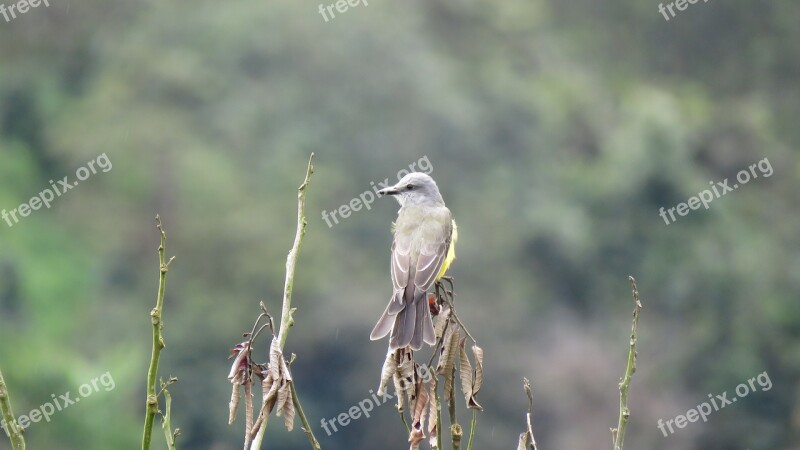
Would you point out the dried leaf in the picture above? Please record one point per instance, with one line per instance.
(433, 413)
(415, 438)
(266, 387)
(248, 408)
(284, 395)
(275, 358)
(441, 321)
(388, 371)
(288, 409)
(467, 378)
(421, 407)
(449, 363)
(465, 369)
(406, 372)
(398, 388)
(420, 411)
(446, 355)
(272, 394)
(287, 375)
(478, 353)
(433, 440)
(523, 442)
(234, 403)
(242, 361)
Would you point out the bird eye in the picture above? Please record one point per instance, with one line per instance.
(410, 187)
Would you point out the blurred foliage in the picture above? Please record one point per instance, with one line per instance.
(556, 131)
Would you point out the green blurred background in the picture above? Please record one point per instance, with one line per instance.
(556, 130)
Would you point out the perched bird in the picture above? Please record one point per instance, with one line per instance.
(425, 235)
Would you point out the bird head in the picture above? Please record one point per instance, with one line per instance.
(416, 188)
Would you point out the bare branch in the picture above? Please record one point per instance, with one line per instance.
(618, 434)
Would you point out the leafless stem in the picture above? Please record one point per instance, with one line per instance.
(14, 430)
(531, 440)
(287, 319)
(618, 434)
(306, 427)
(151, 405)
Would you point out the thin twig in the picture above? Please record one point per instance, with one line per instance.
(12, 427)
(287, 311)
(455, 429)
(403, 418)
(151, 405)
(529, 418)
(438, 414)
(449, 299)
(287, 319)
(306, 427)
(255, 335)
(167, 418)
(461, 324)
(618, 434)
(472, 428)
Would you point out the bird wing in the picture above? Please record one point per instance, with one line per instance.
(431, 257)
(400, 267)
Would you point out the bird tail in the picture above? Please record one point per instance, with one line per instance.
(409, 322)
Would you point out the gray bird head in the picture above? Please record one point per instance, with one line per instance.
(415, 188)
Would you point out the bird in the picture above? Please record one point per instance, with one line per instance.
(423, 248)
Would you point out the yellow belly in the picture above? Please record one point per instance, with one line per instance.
(451, 252)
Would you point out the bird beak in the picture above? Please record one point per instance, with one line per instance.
(389, 191)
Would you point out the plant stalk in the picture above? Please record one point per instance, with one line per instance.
(287, 319)
(151, 405)
(12, 428)
(618, 434)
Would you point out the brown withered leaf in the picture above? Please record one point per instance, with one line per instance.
(266, 387)
(406, 372)
(432, 414)
(465, 369)
(478, 382)
(441, 321)
(287, 375)
(284, 395)
(388, 370)
(467, 377)
(421, 407)
(286, 405)
(248, 408)
(241, 363)
(523, 442)
(275, 358)
(235, 398)
(417, 434)
(445, 354)
(415, 438)
(450, 362)
(288, 416)
(398, 389)
(272, 395)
